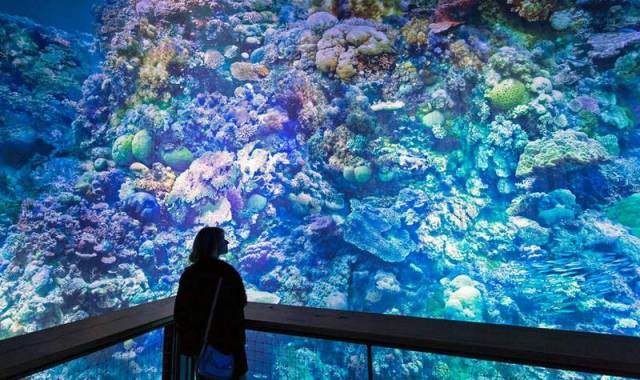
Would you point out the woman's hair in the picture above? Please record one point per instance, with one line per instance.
(206, 243)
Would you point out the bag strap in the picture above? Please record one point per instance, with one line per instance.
(213, 307)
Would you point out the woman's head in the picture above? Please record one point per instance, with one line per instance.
(209, 243)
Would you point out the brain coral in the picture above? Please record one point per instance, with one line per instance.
(340, 47)
(563, 151)
(178, 159)
(627, 212)
(464, 299)
(142, 146)
(142, 206)
(121, 150)
(508, 94)
(321, 21)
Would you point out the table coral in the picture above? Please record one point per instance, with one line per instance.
(246, 71)
(608, 45)
(564, 151)
(385, 237)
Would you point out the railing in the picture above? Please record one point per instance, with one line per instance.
(569, 350)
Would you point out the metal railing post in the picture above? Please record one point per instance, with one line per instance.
(369, 363)
(169, 352)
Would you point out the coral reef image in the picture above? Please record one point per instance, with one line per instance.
(459, 159)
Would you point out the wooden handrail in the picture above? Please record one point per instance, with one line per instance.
(30, 353)
(571, 350)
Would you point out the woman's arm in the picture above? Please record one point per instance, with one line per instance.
(237, 313)
(181, 305)
(243, 294)
(243, 298)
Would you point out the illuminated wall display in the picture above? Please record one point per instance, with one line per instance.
(461, 159)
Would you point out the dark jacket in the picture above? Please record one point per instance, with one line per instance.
(193, 303)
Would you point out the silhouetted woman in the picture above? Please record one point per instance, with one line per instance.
(195, 296)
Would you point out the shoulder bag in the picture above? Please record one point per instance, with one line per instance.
(213, 364)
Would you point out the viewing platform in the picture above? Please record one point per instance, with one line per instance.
(363, 336)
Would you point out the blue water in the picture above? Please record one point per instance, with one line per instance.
(69, 15)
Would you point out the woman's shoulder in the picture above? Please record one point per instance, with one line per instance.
(209, 268)
(229, 273)
(228, 269)
(188, 272)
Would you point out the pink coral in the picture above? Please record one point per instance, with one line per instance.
(206, 177)
(448, 11)
(273, 121)
(204, 184)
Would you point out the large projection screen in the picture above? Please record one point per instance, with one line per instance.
(460, 159)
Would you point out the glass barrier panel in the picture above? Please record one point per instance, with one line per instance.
(464, 159)
(391, 363)
(139, 358)
(276, 356)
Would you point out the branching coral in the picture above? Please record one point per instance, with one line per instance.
(157, 67)
(158, 180)
(463, 56)
(532, 10)
(374, 9)
(416, 32)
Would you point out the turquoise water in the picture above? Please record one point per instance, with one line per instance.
(69, 15)
(455, 159)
